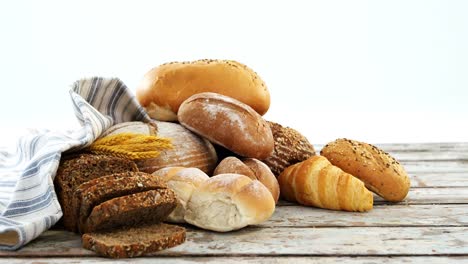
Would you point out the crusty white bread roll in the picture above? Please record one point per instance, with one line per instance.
(229, 202)
(252, 168)
(316, 182)
(183, 181)
(291, 147)
(380, 172)
(189, 150)
(164, 88)
(229, 123)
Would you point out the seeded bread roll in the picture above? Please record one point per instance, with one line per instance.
(252, 168)
(134, 241)
(183, 181)
(164, 88)
(229, 123)
(380, 172)
(228, 202)
(79, 169)
(291, 147)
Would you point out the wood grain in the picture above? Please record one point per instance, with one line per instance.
(250, 260)
(334, 241)
(384, 216)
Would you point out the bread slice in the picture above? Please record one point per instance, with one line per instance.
(134, 241)
(94, 192)
(132, 210)
(77, 170)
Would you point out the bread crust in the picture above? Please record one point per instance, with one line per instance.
(164, 88)
(290, 147)
(380, 172)
(189, 149)
(229, 123)
(228, 202)
(252, 168)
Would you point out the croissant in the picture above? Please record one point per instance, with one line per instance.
(316, 182)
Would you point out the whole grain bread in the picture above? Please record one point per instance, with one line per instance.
(134, 241)
(291, 147)
(132, 210)
(96, 191)
(74, 171)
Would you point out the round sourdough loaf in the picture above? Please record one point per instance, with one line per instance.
(189, 150)
(164, 88)
(229, 123)
(183, 181)
(380, 172)
(228, 202)
(252, 168)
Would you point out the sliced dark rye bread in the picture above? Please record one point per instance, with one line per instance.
(134, 241)
(132, 210)
(97, 191)
(77, 170)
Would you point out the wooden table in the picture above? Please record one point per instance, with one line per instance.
(430, 226)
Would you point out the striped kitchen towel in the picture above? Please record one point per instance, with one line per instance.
(28, 203)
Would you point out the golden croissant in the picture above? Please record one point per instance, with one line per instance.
(316, 182)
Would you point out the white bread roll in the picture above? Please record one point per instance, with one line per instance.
(229, 202)
(228, 122)
(252, 168)
(189, 150)
(183, 181)
(164, 88)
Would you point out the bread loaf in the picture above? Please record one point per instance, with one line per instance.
(380, 172)
(134, 241)
(94, 192)
(189, 150)
(183, 181)
(228, 202)
(252, 168)
(229, 123)
(291, 147)
(164, 88)
(131, 210)
(316, 182)
(79, 169)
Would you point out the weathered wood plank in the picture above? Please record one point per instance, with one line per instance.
(449, 195)
(372, 241)
(392, 216)
(453, 179)
(458, 195)
(236, 260)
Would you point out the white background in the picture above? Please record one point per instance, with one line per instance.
(376, 71)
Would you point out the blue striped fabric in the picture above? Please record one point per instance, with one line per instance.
(28, 203)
